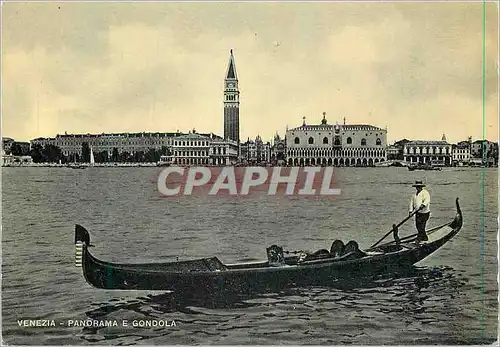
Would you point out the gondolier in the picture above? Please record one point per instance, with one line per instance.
(421, 200)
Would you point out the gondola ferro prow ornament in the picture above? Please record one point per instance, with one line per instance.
(82, 238)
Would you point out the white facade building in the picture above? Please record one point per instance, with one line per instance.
(203, 149)
(223, 152)
(337, 145)
(428, 152)
(191, 149)
(461, 152)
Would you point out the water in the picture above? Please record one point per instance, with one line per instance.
(449, 298)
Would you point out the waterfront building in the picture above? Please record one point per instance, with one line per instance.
(231, 103)
(338, 145)
(129, 144)
(16, 148)
(203, 149)
(477, 148)
(278, 150)
(16, 160)
(43, 141)
(461, 153)
(428, 152)
(186, 149)
(392, 152)
(191, 149)
(223, 152)
(395, 151)
(491, 152)
(6, 144)
(255, 151)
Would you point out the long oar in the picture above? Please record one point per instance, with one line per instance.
(396, 226)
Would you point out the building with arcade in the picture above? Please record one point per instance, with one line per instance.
(335, 144)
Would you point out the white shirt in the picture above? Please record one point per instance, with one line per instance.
(423, 198)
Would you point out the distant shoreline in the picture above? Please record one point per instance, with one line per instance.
(122, 165)
(82, 165)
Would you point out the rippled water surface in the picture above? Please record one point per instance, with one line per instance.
(449, 298)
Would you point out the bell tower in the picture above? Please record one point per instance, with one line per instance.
(231, 102)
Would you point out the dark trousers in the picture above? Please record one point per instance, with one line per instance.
(420, 221)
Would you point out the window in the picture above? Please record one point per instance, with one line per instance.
(349, 141)
(337, 142)
(311, 140)
(325, 140)
(363, 142)
(297, 141)
(378, 142)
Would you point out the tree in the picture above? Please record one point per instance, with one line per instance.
(139, 157)
(157, 156)
(15, 149)
(115, 155)
(101, 157)
(124, 156)
(149, 156)
(85, 152)
(36, 153)
(51, 153)
(152, 155)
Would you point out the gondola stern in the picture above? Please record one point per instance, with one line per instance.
(457, 223)
(81, 235)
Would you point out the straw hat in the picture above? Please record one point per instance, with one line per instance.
(418, 184)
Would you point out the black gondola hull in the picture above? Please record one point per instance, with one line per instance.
(210, 274)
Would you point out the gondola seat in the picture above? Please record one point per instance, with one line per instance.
(337, 249)
(352, 248)
(319, 254)
(275, 256)
(214, 264)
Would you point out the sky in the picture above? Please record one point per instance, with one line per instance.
(415, 68)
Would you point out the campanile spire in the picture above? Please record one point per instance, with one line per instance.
(231, 102)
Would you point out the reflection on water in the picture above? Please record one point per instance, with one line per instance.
(419, 293)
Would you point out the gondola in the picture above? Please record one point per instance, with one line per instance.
(425, 167)
(342, 261)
